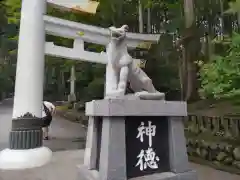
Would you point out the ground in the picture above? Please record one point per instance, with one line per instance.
(67, 143)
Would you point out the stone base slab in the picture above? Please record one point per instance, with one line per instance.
(189, 175)
(135, 107)
(11, 159)
(85, 174)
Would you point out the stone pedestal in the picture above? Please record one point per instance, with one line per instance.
(136, 139)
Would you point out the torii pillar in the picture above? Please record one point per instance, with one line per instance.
(25, 142)
(72, 95)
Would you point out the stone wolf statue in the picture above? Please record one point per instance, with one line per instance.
(121, 68)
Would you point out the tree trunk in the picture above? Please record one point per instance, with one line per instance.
(149, 26)
(208, 49)
(221, 20)
(238, 19)
(191, 50)
(140, 16)
(181, 70)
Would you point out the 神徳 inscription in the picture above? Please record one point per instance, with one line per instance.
(147, 158)
(147, 147)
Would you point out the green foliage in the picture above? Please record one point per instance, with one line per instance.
(234, 7)
(94, 90)
(7, 46)
(220, 77)
(13, 11)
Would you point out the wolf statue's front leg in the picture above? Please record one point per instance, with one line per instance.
(121, 85)
(111, 82)
(123, 78)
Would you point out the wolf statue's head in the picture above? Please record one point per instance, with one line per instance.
(117, 46)
(118, 34)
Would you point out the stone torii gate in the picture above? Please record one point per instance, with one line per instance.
(54, 26)
(25, 143)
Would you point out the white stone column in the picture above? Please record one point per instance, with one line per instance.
(26, 150)
(72, 95)
(73, 78)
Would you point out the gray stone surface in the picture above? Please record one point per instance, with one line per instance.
(64, 163)
(128, 107)
(113, 149)
(64, 167)
(90, 157)
(5, 124)
(161, 176)
(92, 34)
(85, 174)
(113, 152)
(112, 164)
(189, 175)
(177, 144)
